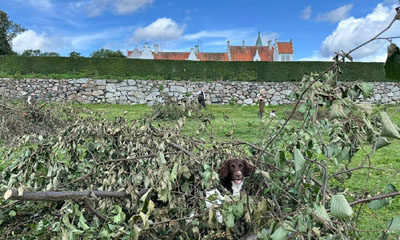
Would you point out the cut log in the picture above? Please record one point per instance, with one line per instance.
(68, 195)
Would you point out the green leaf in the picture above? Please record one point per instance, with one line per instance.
(391, 188)
(82, 223)
(367, 89)
(120, 217)
(367, 107)
(382, 142)
(392, 64)
(389, 129)
(12, 213)
(144, 197)
(303, 108)
(174, 172)
(353, 94)
(320, 212)
(136, 232)
(340, 207)
(238, 209)
(76, 232)
(336, 111)
(394, 225)
(299, 161)
(207, 176)
(279, 234)
(104, 234)
(378, 204)
(145, 220)
(265, 174)
(230, 220)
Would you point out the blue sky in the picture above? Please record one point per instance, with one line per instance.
(318, 28)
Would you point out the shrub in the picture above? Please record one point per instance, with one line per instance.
(185, 70)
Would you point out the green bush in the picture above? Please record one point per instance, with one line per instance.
(121, 68)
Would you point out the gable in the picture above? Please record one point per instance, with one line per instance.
(247, 53)
(285, 47)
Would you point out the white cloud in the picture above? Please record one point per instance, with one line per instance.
(352, 32)
(40, 4)
(31, 40)
(162, 28)
(95, 8)
(235, 36)
(270, 36)
(129, 6)
(306, 13)
(335, 15)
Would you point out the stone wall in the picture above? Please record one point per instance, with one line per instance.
(148, 92)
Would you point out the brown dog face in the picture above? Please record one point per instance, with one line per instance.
(234, 170)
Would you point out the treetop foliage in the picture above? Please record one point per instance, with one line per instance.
(8, 31)
(107, 53)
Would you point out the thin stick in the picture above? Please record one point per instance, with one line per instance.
(365, 200)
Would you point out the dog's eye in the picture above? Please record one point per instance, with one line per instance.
(233, 166)
(240, 165)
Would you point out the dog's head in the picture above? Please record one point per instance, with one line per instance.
(234, 170)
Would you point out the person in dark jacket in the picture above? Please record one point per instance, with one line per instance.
(201, 97)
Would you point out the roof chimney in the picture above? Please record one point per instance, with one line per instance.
(228, 43)
(155, 48)
(243, 45)
(196, 49)
(269, 44)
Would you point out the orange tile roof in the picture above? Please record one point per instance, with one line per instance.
(129, 53)
(212, 56)
(285, 47)
(239, 53)
(171, 55)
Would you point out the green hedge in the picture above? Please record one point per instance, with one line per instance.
(182, 70)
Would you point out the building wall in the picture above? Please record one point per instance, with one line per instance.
(87, 90)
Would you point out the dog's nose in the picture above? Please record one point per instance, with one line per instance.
(238, 175)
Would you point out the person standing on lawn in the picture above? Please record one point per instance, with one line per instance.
(201, 97)
(261, 104)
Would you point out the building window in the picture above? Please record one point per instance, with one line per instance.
(287, 57)
(282, 58)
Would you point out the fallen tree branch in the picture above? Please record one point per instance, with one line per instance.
(375, 198)
(91, 208)
(187, 152)
(12, 194)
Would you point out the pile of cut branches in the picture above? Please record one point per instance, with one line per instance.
(128, 179)
(172, 109)
(21, 117)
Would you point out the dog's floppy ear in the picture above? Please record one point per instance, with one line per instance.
(224, 170)
(248, 169)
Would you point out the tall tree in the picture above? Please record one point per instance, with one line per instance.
(31, 53)
(8, 31)
(107, 53)
(50, 54)
(74, 54)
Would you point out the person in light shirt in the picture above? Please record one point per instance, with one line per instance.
(261, 104)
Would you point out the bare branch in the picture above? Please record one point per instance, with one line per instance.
(88, 206)
(67, 195)
(375, 198)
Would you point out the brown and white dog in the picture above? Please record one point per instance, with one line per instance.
(232, 173)
(231, 176)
